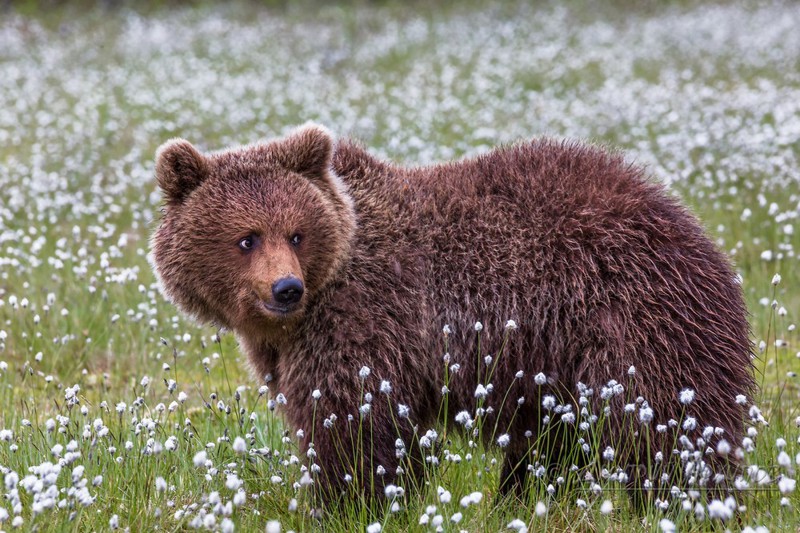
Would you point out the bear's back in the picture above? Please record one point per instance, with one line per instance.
(539, 180)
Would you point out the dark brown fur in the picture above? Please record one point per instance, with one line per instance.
(600, 268)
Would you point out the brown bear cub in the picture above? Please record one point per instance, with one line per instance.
(518, 283)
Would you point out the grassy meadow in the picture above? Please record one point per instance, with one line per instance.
(116, 412)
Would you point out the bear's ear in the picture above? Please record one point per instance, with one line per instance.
(180, 168)
(307, 151)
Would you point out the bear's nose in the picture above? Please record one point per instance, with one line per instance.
(287, 291)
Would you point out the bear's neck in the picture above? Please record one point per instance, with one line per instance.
(263, 354)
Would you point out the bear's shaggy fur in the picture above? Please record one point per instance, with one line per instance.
(599, 267)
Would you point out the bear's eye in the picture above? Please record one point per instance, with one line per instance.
(247, 243)
(295, 239)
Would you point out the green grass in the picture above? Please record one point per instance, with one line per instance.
(708, 96)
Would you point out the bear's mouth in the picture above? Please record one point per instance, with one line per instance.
(280, 310)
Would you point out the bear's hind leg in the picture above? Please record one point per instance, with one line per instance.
(513, 476)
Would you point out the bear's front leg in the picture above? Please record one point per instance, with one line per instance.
(357, 439)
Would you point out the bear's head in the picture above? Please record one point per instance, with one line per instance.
(250, 235)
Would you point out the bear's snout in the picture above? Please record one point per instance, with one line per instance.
(287, 291)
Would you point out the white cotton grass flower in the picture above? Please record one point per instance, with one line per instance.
(606, 507)
(517, 525)
(77, 473)
(511, 325)
(444, 495)
(549, 402)
(200, 458)
(784, 460)
(273, 526)
(316, 394)
(233, 482)
(719, 510)
(503, 440)
(473, 498)
(364, 372)
(608, 454)
(666, 525)
(723, 447)
(11, 480)
(741, 399)
(478, 327)
(239, 445)
(686, 396)
(759, 475)
(540, 509)
(481, 391)
(392, 491)
(786, 485)
(386, 387)
(740, 483)
(427, 440)
(776, 279)
(540, 378)
(465, 419)
(240, 498)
